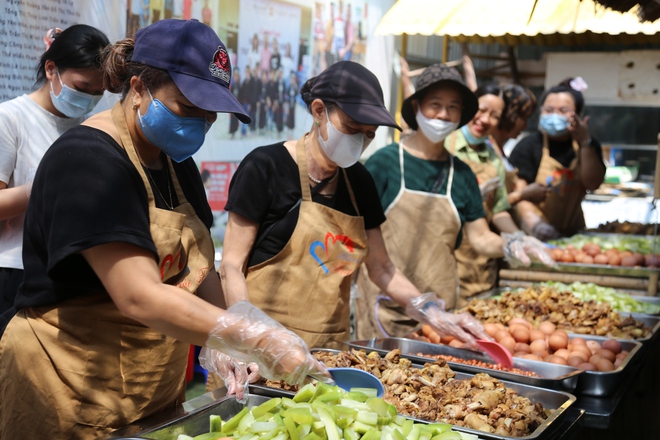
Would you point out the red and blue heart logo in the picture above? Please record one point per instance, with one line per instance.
(341, 261)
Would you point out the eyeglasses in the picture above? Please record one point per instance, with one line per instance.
(561, 110)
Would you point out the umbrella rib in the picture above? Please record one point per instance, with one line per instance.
(532, 13)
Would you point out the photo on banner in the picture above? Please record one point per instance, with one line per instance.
(274, 47)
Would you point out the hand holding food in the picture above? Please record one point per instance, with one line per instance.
(249, 335)
(425, 309)
(235, 374)
(535, 193)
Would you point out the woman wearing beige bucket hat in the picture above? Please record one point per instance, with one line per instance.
(430, 198)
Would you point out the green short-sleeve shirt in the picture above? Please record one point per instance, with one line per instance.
(486, 155)
(421, 175)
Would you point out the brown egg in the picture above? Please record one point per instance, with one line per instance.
(509, 343)
(519, 354)
(562, 353)
(579, 256)
(501, 334)
(434, 337)
(423, 339)
(593, 346)
(594, 359)
(652, 260)
(567, 257)
(588, 260)
(610, 252)
(541, 353)
(538, 345)
(531, 357)
(521, 347)
(586, 366)
(625, 254)
(547, 327)
(629, 261)
(490, 329)
(522, 321)
(520, 334)
(617, 362)
(614, 260)
(574, 361)
(500, 326)
(592, 250)
(570, 248)
(640, 258)
(556, 342)
(556, 254)
(601, 259)
(563, 334)
(536, 334)
(555, 360)
(622, 355)
(606, 354)
(446, 339)
(604, 365)
(578, 341)
(456, 344)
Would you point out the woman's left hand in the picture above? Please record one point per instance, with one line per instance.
(579, 128)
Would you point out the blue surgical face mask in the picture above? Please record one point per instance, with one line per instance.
(470, 138)
(177, 136)
(73, 103)
(554, 124)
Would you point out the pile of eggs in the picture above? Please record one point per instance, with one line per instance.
(548, 344)
(591, 253)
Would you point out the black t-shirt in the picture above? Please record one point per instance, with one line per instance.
(527, 154)
(266, 186)
(86, 193)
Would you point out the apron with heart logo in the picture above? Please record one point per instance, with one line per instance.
(306, 286)
(81, 369)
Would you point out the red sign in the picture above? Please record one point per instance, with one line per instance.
(216, 177)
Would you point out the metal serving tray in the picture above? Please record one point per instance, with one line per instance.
(599, 383)
(559, 401)
(552, 376)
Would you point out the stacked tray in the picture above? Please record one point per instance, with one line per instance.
(551, 376)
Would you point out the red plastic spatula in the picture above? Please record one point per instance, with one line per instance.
(497, 351)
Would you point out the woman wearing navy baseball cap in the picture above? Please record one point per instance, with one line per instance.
(119, 274)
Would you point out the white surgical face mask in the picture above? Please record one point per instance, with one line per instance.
(71, 102)
(343, 149)
(435, 130)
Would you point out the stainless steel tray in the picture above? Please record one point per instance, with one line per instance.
(552, 376)
(559, 401)
(598, 383)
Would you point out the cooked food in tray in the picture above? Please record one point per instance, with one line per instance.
(432, 393)
(562, 309)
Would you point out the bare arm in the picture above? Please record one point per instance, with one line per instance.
(592, 171)
(131, 277)
(504, 223)
(211, 290)
(384, 274)
(240, 236)
(468, 68)
(482, 239)
(13, 201)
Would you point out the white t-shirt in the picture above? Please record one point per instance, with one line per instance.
(27, 130)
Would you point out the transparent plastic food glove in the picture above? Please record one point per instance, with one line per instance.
(462, 326)
(235, 374)
(488, 186)
(521, 249)
(246, 333)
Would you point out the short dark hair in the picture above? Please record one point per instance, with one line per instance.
(565, 87)
(76, 47)
(489, 89)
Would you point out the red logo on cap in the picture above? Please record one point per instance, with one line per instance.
(219, 67)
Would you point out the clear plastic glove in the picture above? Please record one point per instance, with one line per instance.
(249, 335)
(544, 231)
(462, 326)
(521, 249)
(488, 186)
(235, 374)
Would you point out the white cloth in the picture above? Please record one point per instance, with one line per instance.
(27, 130)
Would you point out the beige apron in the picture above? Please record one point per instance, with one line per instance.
(81, 369)
(477, 273)
(562, 207)
(510, 177)
(306, 286)
(420, 234)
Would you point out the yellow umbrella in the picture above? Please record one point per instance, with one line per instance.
(508, 22)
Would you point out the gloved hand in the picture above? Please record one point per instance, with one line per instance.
(544, 231)
(490, 185)
(235, 374)
(462, 326)
(249, 335)
(520, 249)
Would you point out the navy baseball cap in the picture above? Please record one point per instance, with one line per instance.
(355, 90)
(195, 58)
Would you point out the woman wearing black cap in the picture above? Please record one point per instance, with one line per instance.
(562, 155)
(303, 215)
(118, 250)
(429, 196)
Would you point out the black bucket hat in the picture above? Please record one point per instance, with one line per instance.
(441, 74)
